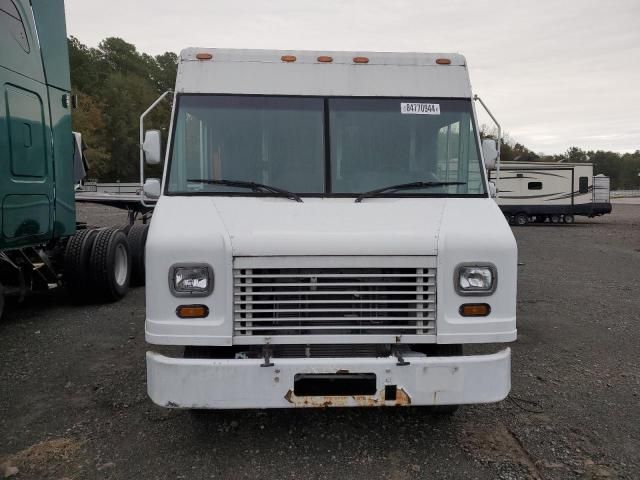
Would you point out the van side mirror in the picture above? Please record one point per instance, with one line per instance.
(490, 153)
(493, 191)
(151, 147)
(151, 188)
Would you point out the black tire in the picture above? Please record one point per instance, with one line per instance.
(521, 219)
(110, 265)
(125, 228)
(1, 300)
(569, 219)
(137, 238)
(443, 409)
(77, 276)
(555, 218)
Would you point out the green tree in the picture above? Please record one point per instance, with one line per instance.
(116, 84)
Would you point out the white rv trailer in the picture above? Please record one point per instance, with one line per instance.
(541, 191)
(324, 235)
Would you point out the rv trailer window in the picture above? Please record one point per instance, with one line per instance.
(535, 185)
(584, 185)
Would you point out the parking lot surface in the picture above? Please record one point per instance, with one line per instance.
(73, 400)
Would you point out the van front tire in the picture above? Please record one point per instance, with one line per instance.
(443, 409)
(137, 238)
(1, 300)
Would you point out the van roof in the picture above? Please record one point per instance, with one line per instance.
(311, 56)
(267, 72)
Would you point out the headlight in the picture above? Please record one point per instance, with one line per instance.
(191, 280)
(475, 279)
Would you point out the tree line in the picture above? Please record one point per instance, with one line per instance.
(622, 168)
(116, 83)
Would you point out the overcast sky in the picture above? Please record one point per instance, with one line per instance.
(555, 73)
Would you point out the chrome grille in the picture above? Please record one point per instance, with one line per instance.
(271, 300)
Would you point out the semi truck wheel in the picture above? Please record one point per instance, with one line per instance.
(137, 238)
(569, 219)
(521, 219)
(110, 264)
(555, 218)
(76, 265)
(124, 228)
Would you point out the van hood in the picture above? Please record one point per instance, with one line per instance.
(218, 231)
(330, 226)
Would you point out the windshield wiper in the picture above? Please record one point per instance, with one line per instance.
(403, 186)
(256, 187)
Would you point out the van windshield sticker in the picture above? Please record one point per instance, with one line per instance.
(420, 108)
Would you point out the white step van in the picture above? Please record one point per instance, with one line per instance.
(325, 235)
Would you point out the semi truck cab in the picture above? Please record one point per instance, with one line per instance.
(325, 235)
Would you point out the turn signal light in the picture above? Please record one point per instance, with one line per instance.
(360, 60)
(192, 311)
(475, 310)
(288, 58)
(443, 61)
(204, 56)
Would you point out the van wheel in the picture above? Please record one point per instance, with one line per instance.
(110, 264)
(555, 218)
(443, 409)
(569, 219)
(521, 219)
(77, 275)
(137, 238)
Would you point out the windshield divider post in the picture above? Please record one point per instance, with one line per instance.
(327, 148)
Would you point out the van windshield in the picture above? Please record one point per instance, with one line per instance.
(324, 146)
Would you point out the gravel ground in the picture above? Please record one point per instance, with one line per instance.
(73, 402)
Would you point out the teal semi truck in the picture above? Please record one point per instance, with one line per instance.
(42, 246)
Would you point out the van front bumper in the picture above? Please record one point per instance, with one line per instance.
(243, 383)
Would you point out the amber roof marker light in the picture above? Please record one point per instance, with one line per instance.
(360, 60)
(204, 56)
(288, 58)
(325, 59)
(443, 61)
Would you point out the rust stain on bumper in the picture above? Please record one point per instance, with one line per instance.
(377, 400)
